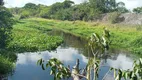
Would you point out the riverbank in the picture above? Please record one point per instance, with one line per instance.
(28, 36)
(122, 36)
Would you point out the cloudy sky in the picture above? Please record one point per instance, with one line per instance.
(130, 4)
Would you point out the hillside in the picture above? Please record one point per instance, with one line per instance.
(125, 18)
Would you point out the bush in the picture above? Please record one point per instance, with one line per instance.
(6, 22)
(137, 42)
(6, 65)
(24, 14)
(44, 14)
(114, 17)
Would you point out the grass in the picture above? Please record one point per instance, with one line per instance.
(29, 35)
(123, 36)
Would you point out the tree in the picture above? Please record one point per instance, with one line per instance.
(30, 6)
(57, 10)
(137, 10)
(30, 9)
(6, 22)
(67, 4)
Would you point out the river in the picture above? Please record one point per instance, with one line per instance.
(73, 48)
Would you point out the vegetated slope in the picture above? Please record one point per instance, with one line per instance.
(30, 35)
(122, 36)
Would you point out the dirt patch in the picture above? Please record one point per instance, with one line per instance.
(126, 18)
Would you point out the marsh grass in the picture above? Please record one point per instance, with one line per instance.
(122, 36)
(31, 35)
(29, 31)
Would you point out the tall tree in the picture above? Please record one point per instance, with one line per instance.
(6, 22)
(67, 3)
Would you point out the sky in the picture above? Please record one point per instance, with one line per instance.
(130, 4)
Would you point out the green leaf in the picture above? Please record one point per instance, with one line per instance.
(136, 71)
(111, 69)
(141, 60)
(114, 73)
(120, 74)
(61, 76)
(40, 61)
(126, 76)
(117, 77)
(43, 67)
(58, 75)
(51, 72)
(47, 65)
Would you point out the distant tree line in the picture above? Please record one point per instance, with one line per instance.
(137, 10)
(67, 10)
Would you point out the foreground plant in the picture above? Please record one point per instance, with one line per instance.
(58, 70)
(97, 46)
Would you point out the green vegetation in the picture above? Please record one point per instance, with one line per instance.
(67, 10)
(114, 17)
(31, 35)
(5, 65)
(57, 68)
(123, 36)
(137, 10)
(96, 42)
(6, 22)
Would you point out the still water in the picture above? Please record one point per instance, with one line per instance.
(73, 48)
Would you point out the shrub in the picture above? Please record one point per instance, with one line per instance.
(24, 14)
(114, 17)
(6, 65)
(6, 22)
(137, 42)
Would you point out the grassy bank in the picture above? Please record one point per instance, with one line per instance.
(122, 36)
(31, 35)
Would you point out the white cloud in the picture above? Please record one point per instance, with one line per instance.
(122, 62)
(64, 55)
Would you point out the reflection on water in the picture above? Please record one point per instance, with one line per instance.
(26, 68)
(73, 48)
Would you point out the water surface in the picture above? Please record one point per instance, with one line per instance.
(73, 48)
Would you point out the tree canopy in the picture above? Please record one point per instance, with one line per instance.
(137, 10)
(6, 22)
(67, 10)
